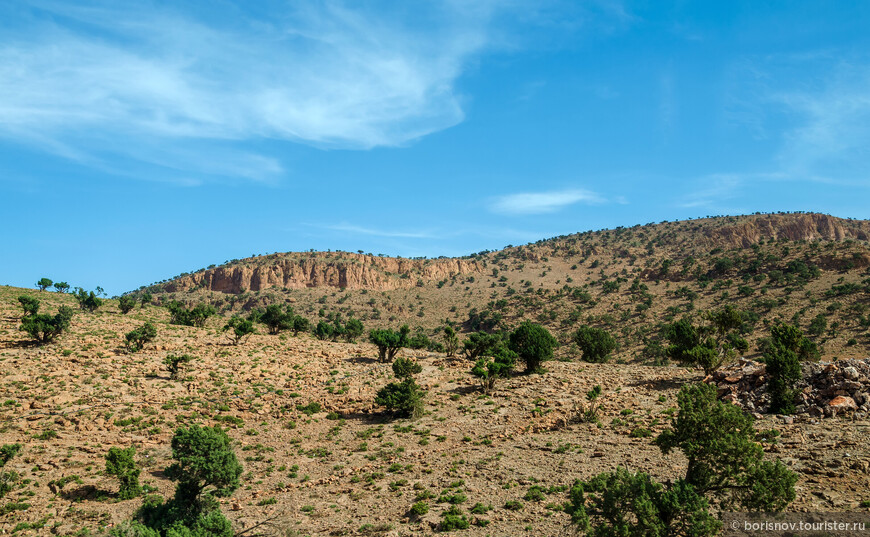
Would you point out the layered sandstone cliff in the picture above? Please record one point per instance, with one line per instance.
(298, 271)
(811, 227)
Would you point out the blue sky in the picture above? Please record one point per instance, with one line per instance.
(139, 140)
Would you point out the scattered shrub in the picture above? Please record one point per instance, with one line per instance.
(120, 463)
(136, 339)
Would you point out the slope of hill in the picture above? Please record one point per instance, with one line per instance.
(801, 268)
(320, 458)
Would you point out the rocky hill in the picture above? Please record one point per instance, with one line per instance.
(801, 268)
(321, 457)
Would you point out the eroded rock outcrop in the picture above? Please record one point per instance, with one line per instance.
(351, 271)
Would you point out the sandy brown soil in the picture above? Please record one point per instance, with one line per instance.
(70, 401)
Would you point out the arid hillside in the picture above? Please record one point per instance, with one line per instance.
(799, 268)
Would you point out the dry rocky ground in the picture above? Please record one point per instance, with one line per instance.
(347, 469)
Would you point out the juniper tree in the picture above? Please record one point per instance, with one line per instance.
(61, 287)
(88, 301)
(240, 329)
(126, 303)
(120, 463)
(595, 344)
(44, 327)
(44, 283)
(136, 339)
(533, 344)
(29, 304)
(451, 341)
(173, 364)
(389, 342)
(405, 398)
(205, 468)
(726, 468)
(787, 347)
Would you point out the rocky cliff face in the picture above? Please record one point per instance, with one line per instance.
(297, 271)
(790, 226)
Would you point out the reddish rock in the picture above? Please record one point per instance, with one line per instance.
(842, 403)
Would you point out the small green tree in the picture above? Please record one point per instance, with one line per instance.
(61, 287)
(126, 303)
(724, 459)
(195, 316)
(353, 329)
(533, 344)
(145, 299)
(8, 479)
(87, 301)
(323, 330)
(43, 327)
(595, 344)
(726, 466)
(241, 329)
(29, 304)
(405, 398)
(205, 468)
(708, 346)
(589, 412)
(783, 357)
(274, 318)
(404, 368)
(479, 344)
(120, 463)
(389, 342)
(44, 283)
(451, 341)
(300, 324)
(173, 364)
(137, 338)
(623, 503)
(489, 369)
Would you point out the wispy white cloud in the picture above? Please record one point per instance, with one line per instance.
(542, 202)
(814, 108)
(830, 140)
(95, 80)
(360, 230)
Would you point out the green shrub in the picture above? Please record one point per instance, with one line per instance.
(724, 458)
(595, 344)
(136, 339)
(87, 301)
(240, 329)
(453, 519)
(625, 503)
(725, 465)
(195, 316)
(29, 304)
(126, 303)
(405, 398)
(783, 355)
(8, 479)
(404, 368)
(44, 328)
(533, 344)
(489, 369)
(120, 463)
(389, 342)
(173, 364)
(451, 341)
(420, 508)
